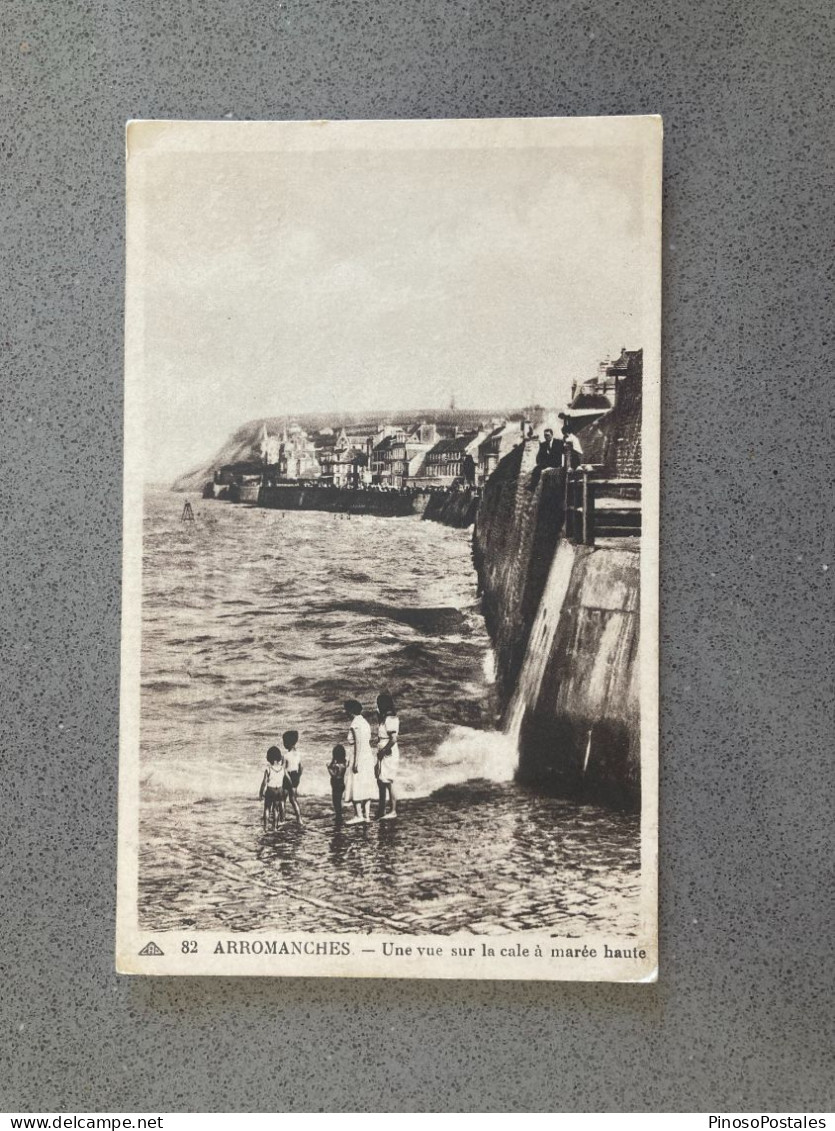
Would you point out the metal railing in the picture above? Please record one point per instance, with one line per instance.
(596, 507)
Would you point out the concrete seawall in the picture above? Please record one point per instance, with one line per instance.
(457, 509)
(514, 543)
(564, 620)
(386, 504)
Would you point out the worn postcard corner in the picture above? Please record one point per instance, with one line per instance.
(389, 697)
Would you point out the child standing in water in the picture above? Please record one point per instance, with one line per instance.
(336, 768)
(388, 756)
(292, 769)
(272, 788)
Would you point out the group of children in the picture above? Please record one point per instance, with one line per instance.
(365, 775)
(281, 780)
(283, 773)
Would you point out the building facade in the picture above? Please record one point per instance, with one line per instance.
(500, 440)
(613, 440)
(298, 458)
(444, 463)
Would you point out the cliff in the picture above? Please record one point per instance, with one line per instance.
(564, 620)
(241, 447)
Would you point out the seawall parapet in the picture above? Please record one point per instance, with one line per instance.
(564, 620)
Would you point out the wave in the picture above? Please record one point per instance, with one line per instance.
(434, 657)
(164, 685)
(271, 612)
(187, 782)
(470, 755)
(465, 755)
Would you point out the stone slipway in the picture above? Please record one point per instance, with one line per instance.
(565, 624)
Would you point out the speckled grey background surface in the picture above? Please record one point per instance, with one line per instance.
(740, 1019)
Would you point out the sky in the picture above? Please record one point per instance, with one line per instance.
(378, 280)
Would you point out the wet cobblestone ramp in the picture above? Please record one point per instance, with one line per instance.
(480, 858)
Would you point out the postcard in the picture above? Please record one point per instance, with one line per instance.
(389, 698)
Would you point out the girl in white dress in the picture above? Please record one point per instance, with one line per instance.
(388, 755)
(360, 763)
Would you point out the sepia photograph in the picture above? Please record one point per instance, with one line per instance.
(390, 596)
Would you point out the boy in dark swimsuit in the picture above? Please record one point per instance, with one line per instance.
(336, 768)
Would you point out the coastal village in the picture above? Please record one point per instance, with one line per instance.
(554, 500)
(600, 426)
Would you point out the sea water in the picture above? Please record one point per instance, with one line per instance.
(259, 621)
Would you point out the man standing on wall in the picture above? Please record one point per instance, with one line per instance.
(549, 455)
(469, 470)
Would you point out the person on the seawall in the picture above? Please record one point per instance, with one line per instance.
(572, 448)
(549, 455)
(388, 755)
(469, 470)
(362, 782)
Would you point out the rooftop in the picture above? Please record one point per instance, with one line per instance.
(591, 401)
(453, 444)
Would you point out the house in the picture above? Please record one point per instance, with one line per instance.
(595, 399)
(298, 459)
(408, 454)
(629, 364)
(381, 461)
(590, 399)
(500, 440)
(600, 393)
(362, 435)
(613, 441)
(381, 457)
(348, 461)
(444, 462)
(324, 443)
(269, 447)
